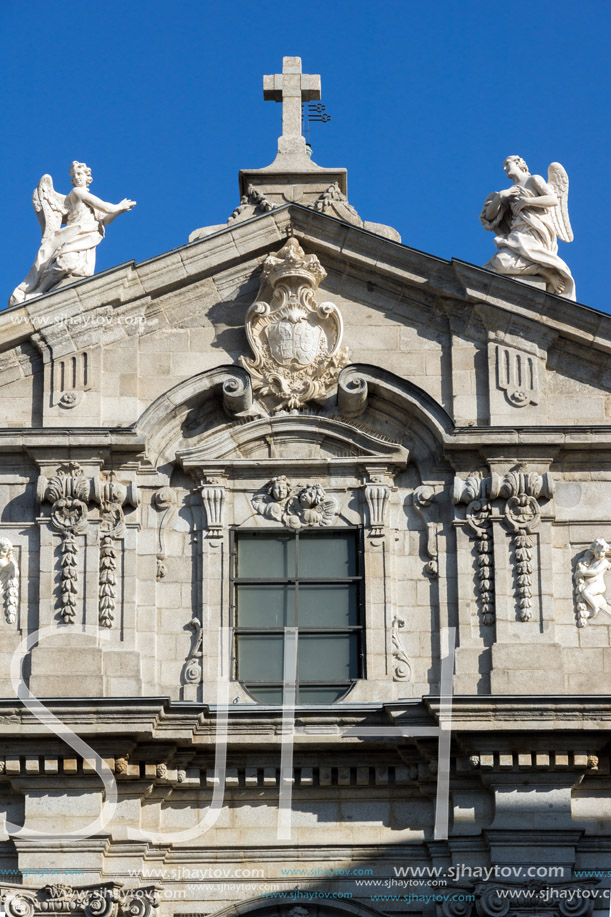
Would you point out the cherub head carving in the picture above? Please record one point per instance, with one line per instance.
(279, 488)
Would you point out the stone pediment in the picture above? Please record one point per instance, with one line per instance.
(293, 440)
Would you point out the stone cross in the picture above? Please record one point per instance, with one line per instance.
(292, 88)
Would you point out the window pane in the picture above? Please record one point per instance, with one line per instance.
(266, 695)
(266, 556)
(332, 555)
(331, 606)
(327, 657)
(265, 606)
(321, 695)
(260, 657)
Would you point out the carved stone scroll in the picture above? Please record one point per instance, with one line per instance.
(352, 392)
(295, 505)
(295, 341)
(402, 670)
(424, 497)
(193, 664)
(237, 394)
(164, 501)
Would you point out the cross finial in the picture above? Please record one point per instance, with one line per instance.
(291, 87)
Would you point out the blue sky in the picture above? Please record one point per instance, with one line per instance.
(165, 103)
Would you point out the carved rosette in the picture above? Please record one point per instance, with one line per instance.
(69, 492)
(402, 670)
(295, 506)
(522, 491)
(474, 492)
(295, 340)
(9, 580)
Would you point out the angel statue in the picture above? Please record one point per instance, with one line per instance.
(529, 218)
(72, 226)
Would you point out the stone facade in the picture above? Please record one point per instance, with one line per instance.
(463, 433)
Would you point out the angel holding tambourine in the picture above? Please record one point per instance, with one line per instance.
(72, 226)
(528, 219)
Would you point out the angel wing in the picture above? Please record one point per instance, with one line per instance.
(559, 215)
(50, 206)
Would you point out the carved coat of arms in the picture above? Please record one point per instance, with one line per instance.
(295, 340)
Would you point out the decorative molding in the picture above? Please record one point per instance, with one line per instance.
(164, 501)
(517, 376)
(9, 580)
(295, 506)
(474, 493)
(109, 900)
(424, 497)
(403, 669)
(590, 585)
(295, 341)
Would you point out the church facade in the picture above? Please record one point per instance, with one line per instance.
(304, 545)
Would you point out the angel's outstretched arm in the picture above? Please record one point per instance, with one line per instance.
(109, 210)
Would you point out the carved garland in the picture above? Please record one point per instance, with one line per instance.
(473, 492)
(522, 515)
(70, 492)
(9, 580)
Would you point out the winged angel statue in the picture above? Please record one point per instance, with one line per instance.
(72, 226)
(529, 218)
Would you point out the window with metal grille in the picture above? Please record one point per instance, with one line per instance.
(311, 581)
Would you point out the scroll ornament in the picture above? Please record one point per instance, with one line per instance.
(295, 341)
(402, 667)
(295, 506)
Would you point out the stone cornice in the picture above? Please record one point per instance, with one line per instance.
(247, 240)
